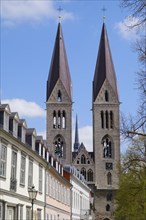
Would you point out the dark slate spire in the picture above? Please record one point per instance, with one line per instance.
(76, 144)
(59, 66)
(104, 66)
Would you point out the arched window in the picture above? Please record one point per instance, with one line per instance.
(107, 147)
(59, 98)
(108, 207)
(63, 120)
(54, 119)
(83, 159)
(111, 119)
(90, 175)
(59, 145)
(106, 118)
(83, 172)
(59, 119)
(106, 96)
(109, 179)
(102, 119)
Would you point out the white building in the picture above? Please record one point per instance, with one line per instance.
(22, 164)
(80, 194)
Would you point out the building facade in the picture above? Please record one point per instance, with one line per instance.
(20, 168)
(80, 194)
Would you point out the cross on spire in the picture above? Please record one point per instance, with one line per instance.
(104, 10)
(59, 10)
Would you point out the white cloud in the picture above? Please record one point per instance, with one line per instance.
(124, 28)
(25, 108)
(85, 136)
(13, 12)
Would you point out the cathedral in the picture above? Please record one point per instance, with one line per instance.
(99, 167)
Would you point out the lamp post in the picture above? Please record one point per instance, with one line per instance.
(32, 195)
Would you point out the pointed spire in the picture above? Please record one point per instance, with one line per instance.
(76, 144)
(104, 66)
(59, 68)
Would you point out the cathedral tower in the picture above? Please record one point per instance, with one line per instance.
(106, 137)
(59, 102)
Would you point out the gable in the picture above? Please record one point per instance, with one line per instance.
(64, 95)
(112, 98)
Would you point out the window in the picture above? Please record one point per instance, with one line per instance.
(28, 213)
(83, 159)
(107, 147)
(59, 98)
(59, 144)
(30, 173)
(59, 119)
(63, 120)
(106, 96)
(38, 214)
(83, 172)
(54, 119)
(21, 212)
(3, 158)
(40, 179)
(1, 211)
(13, 180)
(107, 207)
(111, 120)
(22, 170)
(109, 179)
(90, 175)
(106, 117)
(102, 119)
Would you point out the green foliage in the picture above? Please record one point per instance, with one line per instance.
(131, 196)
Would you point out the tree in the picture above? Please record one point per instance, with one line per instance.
(138, 10)
(131, 196)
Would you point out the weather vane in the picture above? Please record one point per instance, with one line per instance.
(104, 10)
(59, 10)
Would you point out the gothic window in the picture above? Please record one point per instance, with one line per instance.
(111, 119)
(109, 179)
(77, 161)
(83, 159)
(106, 96)
(83, 172)
(59, 144)
(54, 119)
(102, 119)
(63, 120)
(106, 117)
(59, 119)
(107, 147)
(108, 207)
(90, 175)
(59, 98)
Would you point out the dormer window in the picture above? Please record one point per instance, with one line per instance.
(106, 96)
(59, 98)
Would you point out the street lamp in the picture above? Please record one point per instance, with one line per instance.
(32, 195)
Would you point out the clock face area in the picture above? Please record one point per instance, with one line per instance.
(108, 166)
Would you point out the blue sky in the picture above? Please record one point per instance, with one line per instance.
(28, 31)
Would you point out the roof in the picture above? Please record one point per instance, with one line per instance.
(104, 66)
(59, 68)
(76, 143)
